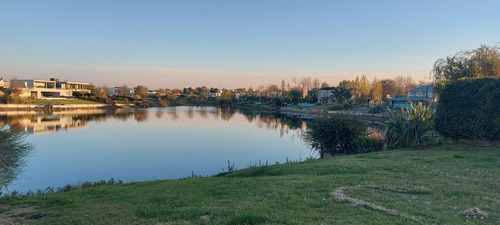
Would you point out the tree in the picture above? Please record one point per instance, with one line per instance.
(341, 94)
(123, 90)
(142, 91)
(376, 90)
(481, 62)
(388, 87)
(273, 91)
(283, 87)
(349, 85)
(357, 88)
(324, 85)
(13, 151)
(403, 84)
(316, 84)
(365, 88)
(335, 134)
(104, 91)
(295, 96)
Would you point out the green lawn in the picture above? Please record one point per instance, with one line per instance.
(432, 186)
(65, 102)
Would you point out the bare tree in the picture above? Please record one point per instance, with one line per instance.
(123, 90)
(403, 84)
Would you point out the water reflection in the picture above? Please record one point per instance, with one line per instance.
(42, 122)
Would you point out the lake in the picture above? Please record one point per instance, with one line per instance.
(71, 147)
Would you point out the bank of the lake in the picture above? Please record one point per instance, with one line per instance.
(431, 186)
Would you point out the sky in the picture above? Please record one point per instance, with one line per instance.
(232, 44)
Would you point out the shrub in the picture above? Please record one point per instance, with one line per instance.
(364, 144)
(334, 134)
(470, 109)
(376, 109)
(410, 127)
(372, 141)
(336, 107)
(347, 105)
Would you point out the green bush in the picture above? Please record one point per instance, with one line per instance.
(364, 144)
(336, 107)
(470, 109)
(376, 109)
(334, 134)
(347, 105)
(410, 127)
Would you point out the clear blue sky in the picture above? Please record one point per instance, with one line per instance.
(236, 43)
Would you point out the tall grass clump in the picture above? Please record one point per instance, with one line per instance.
(410, 127)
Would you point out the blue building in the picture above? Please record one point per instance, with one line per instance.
(422, 94)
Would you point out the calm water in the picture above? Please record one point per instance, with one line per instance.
(158, 143)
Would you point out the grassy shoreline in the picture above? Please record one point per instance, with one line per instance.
(410, 186)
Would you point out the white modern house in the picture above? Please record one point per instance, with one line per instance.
(48, 88)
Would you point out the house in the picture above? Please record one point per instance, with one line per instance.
(4, 83)
(422, 94)
(129, 92)
(214, 93)
(48, 88)
(239, 96)
(325, 95)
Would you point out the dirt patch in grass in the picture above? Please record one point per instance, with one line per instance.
(14, 216)
(340, 196)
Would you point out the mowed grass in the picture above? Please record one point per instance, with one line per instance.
(63, 102)
(432, 186)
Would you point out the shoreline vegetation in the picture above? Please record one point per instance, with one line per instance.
(430, 185)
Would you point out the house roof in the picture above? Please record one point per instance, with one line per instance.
(425, 88)
(410, 98)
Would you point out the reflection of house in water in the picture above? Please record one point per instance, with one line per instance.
(52, 123)
(39, 123)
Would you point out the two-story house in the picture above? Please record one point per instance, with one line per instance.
(325, 95)
(48, 88)
(422, 94)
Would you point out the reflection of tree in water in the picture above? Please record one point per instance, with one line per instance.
(159, 114)
(189, 112)
(121, 114)
(275, 121)
(173, 113)
(13, 151)
(203, 112)
(226, 113)
(141, 115)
